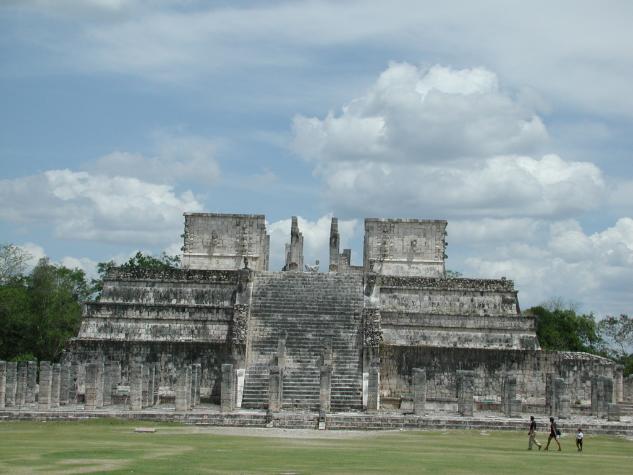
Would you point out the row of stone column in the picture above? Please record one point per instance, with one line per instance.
(18, 384)
(100, 381)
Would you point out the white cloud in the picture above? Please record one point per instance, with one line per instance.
(498, 186)
(178, 159)
(81, 205)
(442, 141)
(316, 239)
(595, 270)
(423, 116)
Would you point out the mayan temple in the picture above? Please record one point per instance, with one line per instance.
(394, 334)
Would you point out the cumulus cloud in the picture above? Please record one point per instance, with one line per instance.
(423, 116)
(442, 141)
(595, 270)
(81, 205)
(178, 159)
(316, 239)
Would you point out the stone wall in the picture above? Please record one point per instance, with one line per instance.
(221, 241)
(530, 368)
(169, 356)
(405, 247)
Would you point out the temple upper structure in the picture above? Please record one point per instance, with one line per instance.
(405, 247)
(215, 241)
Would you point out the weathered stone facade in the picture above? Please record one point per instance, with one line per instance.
(395, 333)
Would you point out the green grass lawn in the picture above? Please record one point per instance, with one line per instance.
(110, 446)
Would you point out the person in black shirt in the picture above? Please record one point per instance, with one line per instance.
(554, 433)
(532, 434)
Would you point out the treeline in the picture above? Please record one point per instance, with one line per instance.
(41, 309)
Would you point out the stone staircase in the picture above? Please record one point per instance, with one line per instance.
(312, 310)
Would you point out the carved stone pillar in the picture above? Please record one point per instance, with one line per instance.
(227, 388)
(46, 377)
(135, 380)
(325, 393)
(3, 383)
(12, 379)
(55, 385)
(20, 393)
(373, 389)
(275, 389)
(465, 392)
(31, 382)
(92, 386)
(419, 391)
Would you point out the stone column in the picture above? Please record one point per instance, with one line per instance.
(189, 382)
(74, 383)
(46, 379)
(135, 380)
(91, 386)
(512, 407)
(145, 389)
(55, 385)
(325, 392)
(227, 388)
(419, 391)
(182, 389)
(194, 383)
(198, 367)
(619, 384)
(110, 380)
(157, 380)
(20, 393)
(561, 397)
(613, 412)
(12, 380)
(64, 384)
(275, 389)
(100, 385)
(373, 389)
(152, 385)
(31, 382)
(3, 383)
(465, 392)
(549, 394)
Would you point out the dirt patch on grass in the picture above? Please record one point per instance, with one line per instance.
(274, 433)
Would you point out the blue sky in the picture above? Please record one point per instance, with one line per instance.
(512, 120)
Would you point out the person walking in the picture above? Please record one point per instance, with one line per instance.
(554, 433)
(532, 435)
(579, 437)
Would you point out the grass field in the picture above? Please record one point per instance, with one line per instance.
(110, 446)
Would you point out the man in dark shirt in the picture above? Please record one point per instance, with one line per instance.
(553, 434)
(532, 434)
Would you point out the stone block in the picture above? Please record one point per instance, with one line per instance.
(613, 412)
(419, 391)
(406, 405)
(227, 388)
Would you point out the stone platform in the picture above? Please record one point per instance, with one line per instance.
(212, 416)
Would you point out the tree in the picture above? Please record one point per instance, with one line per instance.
(618, 331)
(13, 262)
(39, 312)
(564, 330)
(135, 264)
(453, 274)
